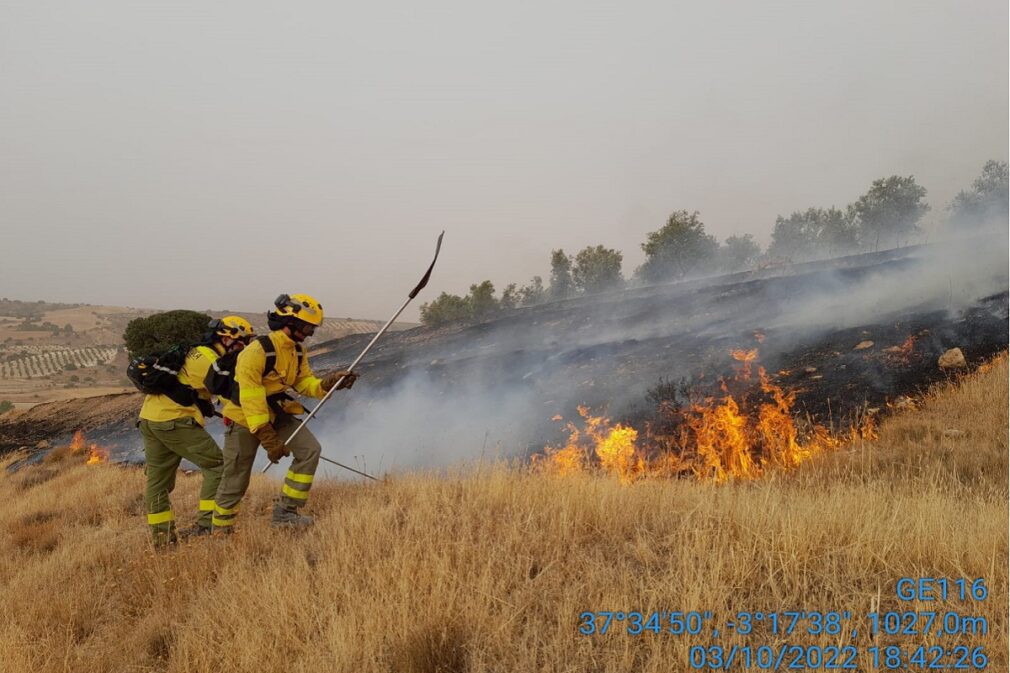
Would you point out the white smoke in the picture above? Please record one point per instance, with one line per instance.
(509, 377)
(423, 424)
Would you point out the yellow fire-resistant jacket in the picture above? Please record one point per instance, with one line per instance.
(254, 387)
(160, 408)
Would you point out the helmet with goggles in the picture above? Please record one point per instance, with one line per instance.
(300, 312)
(233, 326)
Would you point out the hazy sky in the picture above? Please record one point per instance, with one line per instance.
(214, 154)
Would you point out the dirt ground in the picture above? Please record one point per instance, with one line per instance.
(31, 398)
(59, 419)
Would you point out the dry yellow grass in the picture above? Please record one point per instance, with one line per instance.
(489, 570)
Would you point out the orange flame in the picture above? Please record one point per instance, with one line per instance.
(613, 447)
(746, 357)
(732, 439)
(719, 433)
(904, 352)
(96, 454)
(866, 430)
(721, 438)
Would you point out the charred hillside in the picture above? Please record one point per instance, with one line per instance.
(848, 334)
(845, 335)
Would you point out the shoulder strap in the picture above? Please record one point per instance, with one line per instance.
(271, 353)
(268, 348)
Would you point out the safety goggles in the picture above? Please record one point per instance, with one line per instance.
(285, 301)
(218, 326)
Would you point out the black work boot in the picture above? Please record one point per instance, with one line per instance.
(285, 515)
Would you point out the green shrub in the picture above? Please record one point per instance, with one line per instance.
(446, 308)
(161, 331)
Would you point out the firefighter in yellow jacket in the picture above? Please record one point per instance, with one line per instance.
(264, 413)
(173, 431)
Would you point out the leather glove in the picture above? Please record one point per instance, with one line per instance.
(331, 379)
(272, 442)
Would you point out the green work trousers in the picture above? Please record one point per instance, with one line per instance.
(239, 453)
(165, 445)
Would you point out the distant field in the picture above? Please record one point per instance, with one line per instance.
(83, 318)
(52, 351)
(32, 361)
(44, 324)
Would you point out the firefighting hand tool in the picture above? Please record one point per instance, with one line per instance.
(363, 474)
(410, 297)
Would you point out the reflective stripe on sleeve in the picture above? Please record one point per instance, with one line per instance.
(307, 385)
(222, 522)
(218, 509)
(257, 421)
(206, 505)
(252, 394)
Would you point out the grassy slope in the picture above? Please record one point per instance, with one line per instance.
(490, 571)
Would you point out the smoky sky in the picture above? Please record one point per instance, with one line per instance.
(215, 154)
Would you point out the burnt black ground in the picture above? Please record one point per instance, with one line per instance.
(873, 376)
(608, 351)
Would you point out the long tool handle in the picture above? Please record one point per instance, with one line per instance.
(410, 297)
(363, 474)
(351, 368)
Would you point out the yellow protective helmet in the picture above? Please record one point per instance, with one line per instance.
(234, 326)
(300, 306)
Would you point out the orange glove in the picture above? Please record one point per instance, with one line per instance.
(272, 442)
(331, 379)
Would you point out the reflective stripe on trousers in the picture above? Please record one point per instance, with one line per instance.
(159, 518)
(224, 516)
(297, 485)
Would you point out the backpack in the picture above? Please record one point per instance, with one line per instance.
(220, 379)
(158, 374)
